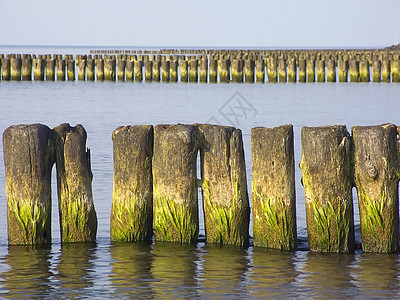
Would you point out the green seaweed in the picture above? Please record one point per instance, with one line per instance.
(373, 217)
(74, 217)
(173, 221)
(274, 215)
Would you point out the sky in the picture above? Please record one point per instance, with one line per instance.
(208, 23)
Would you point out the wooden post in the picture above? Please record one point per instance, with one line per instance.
(292, 70)
(173, 64)
(385, 70)
(138, 70)
(364, 71)
(175, 183)
(272, 70)
(183, 66)
(282, 73)
(260, 71)
(327, 170)
(249, 66)
(166, 70)
(193, 73)
(320, 71)
(226, 203)
(78, 221)
(27, 68)
(376, 159)
(213, 70)
(302, 70)
(343, 69)
(237, 71)
(90, 69)
(6, 69)
(310, 69)
(330, 71)
(28, 159)
(132, 206)
(109, 68)
(156, 71)
(376, 71)
(148, 68)
(129, 70)
(273, 188)
(395, 70)
(354, 71)
(50, 70)
(39, 69)
(203, 70)
(100, 69)
(121, 69)
(223, 71)
(71, 70)
(16, 68)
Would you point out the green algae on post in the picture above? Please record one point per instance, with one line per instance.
(132, 205)
(327, 170)
(273, 188)
(376, 159)
(175, 207)
(28, 160)
(226, 203)
(78, 219)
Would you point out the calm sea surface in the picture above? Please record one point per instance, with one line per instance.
(167, 270)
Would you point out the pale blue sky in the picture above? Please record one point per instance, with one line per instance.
(251, 23)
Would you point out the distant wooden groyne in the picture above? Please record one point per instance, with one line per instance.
(155, 185)
(207, 66)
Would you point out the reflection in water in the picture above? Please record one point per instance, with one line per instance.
(131, 269)
(224, 272)
(272, 273)
(328, 275)
(75, 269)
(377, 275)
(175, 270)
(29, 274)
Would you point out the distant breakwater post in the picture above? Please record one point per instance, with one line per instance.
(189, 65)
(30, 152)
(156, 185)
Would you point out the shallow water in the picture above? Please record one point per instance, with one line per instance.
(170, 270)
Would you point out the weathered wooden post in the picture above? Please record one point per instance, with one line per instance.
(354, 70)
(138, 70)
(27, 67)
(385, 70)
(28, 159)
(165, 70)
(129, 70)
(82, 69)
(39, 65)
(260, 71)
(237, 71)
(71, 70)
(343, 69)
(78, 221)
(203, 70)
(16, 65)
(395, 70)
(302, 70)
(292, 70)
(6, 69)
(272, 70)
(249, 66)
(132, 206)
(320, 70)
(175, 183)
(100, 69)
(273, 188)
(364, 71)
(376, 160)
(310, 69)
(50, 70)
(193, 73)
(327, 170)
(109, 68)
(156, 71)
(331, 71)
(90, 67)
(183, 67)
(61, 70)
(376, 71)
(282, 73)
(173, 64)
(148, 71)
(224, 71)
(213, 70)
(121, 64)
(226, 203)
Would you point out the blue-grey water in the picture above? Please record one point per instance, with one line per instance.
(165, 270)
